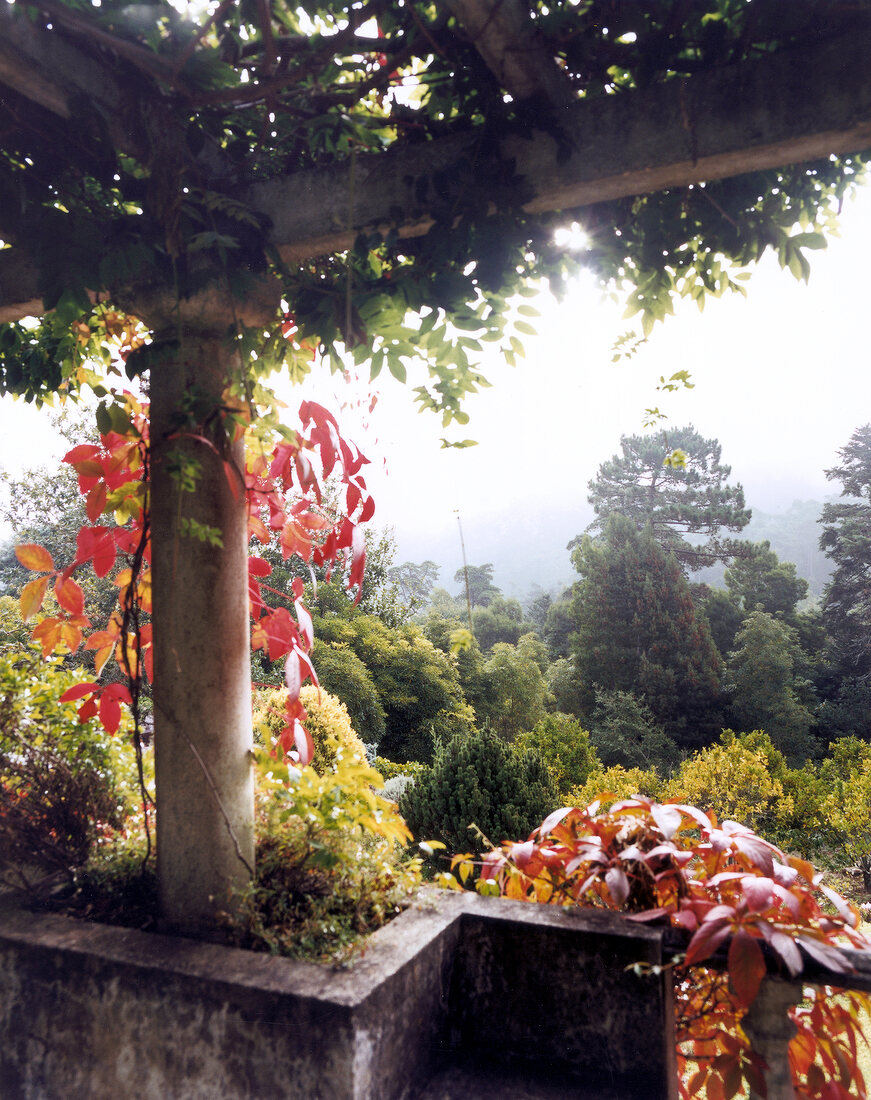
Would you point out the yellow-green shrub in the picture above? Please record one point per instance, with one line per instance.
(618, 783)
(331, 859)
(736, 782)
(327, 719)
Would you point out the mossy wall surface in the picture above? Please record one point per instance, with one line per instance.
(99, 1013)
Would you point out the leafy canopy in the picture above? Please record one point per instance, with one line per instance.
(157, 187)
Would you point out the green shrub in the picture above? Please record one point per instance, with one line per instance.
(343, 674)
(564, 745)
(61, 783)
(479, 779)
(624, 731)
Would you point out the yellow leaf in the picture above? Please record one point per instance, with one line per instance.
(32, 595)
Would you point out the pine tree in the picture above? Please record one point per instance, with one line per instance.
(675, 483)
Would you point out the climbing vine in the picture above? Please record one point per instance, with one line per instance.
(284, 490)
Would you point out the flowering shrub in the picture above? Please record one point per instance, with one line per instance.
(727, 888)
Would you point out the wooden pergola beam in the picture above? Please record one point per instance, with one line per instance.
(793, 106)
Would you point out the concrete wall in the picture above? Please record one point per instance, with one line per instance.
(458, 985)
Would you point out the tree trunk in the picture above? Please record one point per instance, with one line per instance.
(202, 678)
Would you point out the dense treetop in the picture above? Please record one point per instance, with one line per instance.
(675, 483)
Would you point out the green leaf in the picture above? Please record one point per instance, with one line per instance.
(397, 368)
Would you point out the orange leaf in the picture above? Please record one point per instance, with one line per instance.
(32, 595)
(34, 557)
(47, 633)
(805, 869)
(71, 636)
(69, 596)
(101, 657)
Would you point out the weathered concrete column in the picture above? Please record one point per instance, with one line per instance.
(202, 679)
(770, 1031)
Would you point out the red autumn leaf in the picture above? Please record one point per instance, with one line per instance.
(758, 892)
(733, 1080)
(69, 596)
(358, 562)
(306, 627)
(686, 918)
(303, 742)
(826, 954)
(82, 453)
(552, 820)
(98, 544)
(259, 567)
(618, 885)
(696, 1082)
(784, 947)
(34, 557)
(667, 818)
(714, 1089)
(706, 940)
(368, 510)
(32, 596)
(78, 691)
(521, 854)
(118, 691)
(746, 966)
(96, 501)
(292, 675)
(88, 709)
(110, 712)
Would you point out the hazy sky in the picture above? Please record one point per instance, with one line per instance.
(781, 379)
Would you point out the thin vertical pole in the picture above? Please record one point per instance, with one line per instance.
(465, 572)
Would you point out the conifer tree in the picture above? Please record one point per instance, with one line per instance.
(675, 483)
(846, 538)
(637, 631)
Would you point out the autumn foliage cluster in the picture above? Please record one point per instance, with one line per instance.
(284, 494)
(745, 909)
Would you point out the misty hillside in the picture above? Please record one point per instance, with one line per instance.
(529, 548)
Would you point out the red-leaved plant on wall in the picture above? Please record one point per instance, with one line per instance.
(726, 887)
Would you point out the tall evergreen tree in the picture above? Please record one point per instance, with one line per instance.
(757, 578)
(637, 631)
(846, 538)
(761, 681)
(675, 483)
